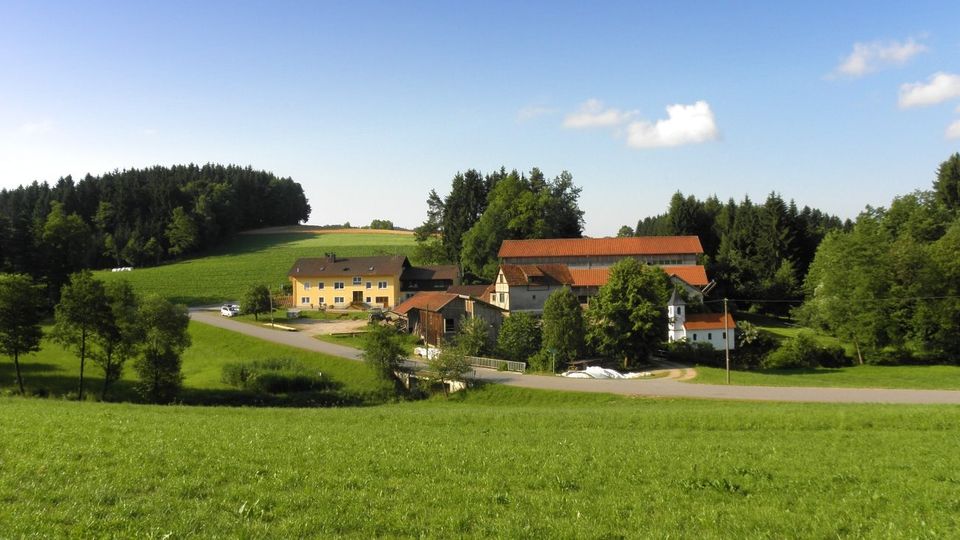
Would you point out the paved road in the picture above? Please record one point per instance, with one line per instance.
(634, 387)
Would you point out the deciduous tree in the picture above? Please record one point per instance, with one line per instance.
(519, 337)
(563, 328)
(256, 300)
(383, 352)
(81, 312)
(165, 338)
(628, 317)
(21, 311)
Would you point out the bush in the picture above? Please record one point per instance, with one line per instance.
(803, 351)
(274, 376)
(687, 352)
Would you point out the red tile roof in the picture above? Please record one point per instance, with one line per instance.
(584, 247)
(536, 274)
(693, 274)
(597, 277)
(708, 321)
(429, 301)
(590, 277)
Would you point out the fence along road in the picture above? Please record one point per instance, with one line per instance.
(630, 387)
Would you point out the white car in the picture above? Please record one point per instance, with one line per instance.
(229, 310)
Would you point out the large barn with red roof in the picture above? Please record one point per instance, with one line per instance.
(531, 269)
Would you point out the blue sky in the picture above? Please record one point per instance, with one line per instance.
(369, 105)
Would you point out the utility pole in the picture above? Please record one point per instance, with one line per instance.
(726, 338)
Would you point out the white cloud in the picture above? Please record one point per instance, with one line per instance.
(953, 130)
(37, 128)
(685, 124)
(593, 114)
(939, 88)
(869, 57)
(533, 111)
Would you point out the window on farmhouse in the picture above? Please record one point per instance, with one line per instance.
(448, 325)
(306, 285)
(369, 285)
(694, 336)
(304, 299)
(709, 335)
(337, 284)
(357, 280)
(319, 284)
(338, 300)
(381, 284)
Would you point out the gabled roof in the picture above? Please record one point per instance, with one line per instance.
(585, 247)
(383, 265)
(708, 321)
(427, 300)
(536, 274)
(473, 291)
(693, 274)
(447, 272)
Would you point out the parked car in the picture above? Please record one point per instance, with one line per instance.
(229, 310)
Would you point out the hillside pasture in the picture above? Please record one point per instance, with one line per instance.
(54, 371)
(498, 462)
(225, 273)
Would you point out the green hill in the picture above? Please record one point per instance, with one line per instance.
(224, 273)
(487, 467)
(54, 371)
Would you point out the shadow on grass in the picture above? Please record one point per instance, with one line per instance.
(125, 391)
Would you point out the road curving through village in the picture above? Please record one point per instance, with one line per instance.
(659, 387)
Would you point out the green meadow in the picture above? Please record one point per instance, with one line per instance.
(54, 371)
(919, 377)
(498, 462)
(225, 273)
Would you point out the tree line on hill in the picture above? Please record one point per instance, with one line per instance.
(481, 211)
(753, 251)
(137, 217)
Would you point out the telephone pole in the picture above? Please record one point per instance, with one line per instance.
(726, 338)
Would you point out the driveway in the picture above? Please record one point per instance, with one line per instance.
(668, 388)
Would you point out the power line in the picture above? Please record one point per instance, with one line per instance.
(848, 300)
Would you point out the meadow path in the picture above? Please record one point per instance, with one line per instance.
(632, 387)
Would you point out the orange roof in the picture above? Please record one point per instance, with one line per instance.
(585, 247)
(597, 277)
(539, 274)
(708, 321)
(590, 277)
(692, 274)
(429, 301)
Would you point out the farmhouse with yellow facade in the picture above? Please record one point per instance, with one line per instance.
(381, 281)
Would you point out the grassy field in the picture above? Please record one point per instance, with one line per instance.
(223, 274)
(55, 370)
(501, 463)
(922, 377)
